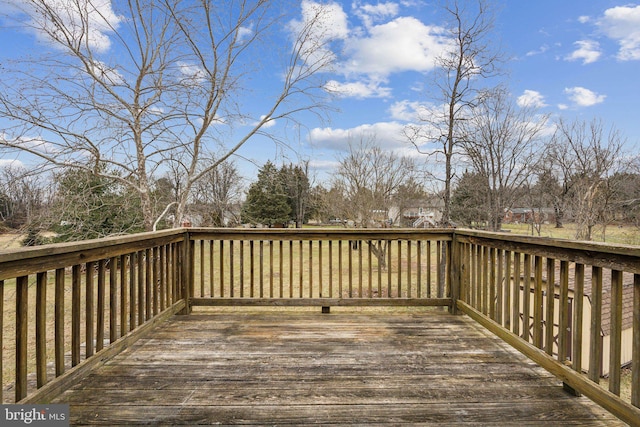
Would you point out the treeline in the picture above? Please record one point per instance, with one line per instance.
(581, 174)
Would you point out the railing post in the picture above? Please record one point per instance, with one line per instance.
(188, 266)
(455, 279)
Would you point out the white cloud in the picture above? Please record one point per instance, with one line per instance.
(388, 135)
(370, 13)
(622, 23)
(269, 123)
(584, 19)
(583, 97)
(404, 44)
(588, 51)
(83, 20)
(408, 111)
(371, 89)
(538, 51)
(11, 163)
(330, 21)
(531, 98)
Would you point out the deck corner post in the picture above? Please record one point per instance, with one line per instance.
(454, 271)
(187, 278)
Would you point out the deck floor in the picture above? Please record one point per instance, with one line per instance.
(297, 368)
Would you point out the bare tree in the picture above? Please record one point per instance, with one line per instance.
(148, 86)
(502, 147)
(218, 195)
(460, 73)
(369, 180)
(584, 156)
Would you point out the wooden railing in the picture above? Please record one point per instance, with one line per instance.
(572, 307)
(321, 267)
(66, 308)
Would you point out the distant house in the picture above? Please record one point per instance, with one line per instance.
(423, 213)
(526, 215)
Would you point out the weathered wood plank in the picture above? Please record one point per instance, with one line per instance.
(286, 367)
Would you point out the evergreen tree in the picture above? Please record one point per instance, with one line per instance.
(296, 185)
(267, 203)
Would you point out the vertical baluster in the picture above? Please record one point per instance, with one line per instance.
(526, 299)
(378, 256)
(492, 283)
(320, 284)
(212, 285)
(399, 274)
(515, 313)
(100, 306)
(113, 299)
(499, 285)
(141, 286)
(595, 347)
(221, 272)
(615, 343)
(162, 279)
(507, 289)
(485, 279)
(578, 315)
(370, 269)
(271, 271)
(261, 267)
(310, 269)
(537, 302)
(330, 268)
(350, 268)
(41, 329)
(340, 269)
(300, 269)
(148, 276)
(281, 267)
(419, 268)
(389, 269)
(201, 268)
(550, 301)
(564, 327)
(360, 283)
(232, 268)
(242, 243)
(123, 295)
(290, 268)
(473, 289)
(89, 308)
(22, 307)
(635, 352)
(429, 269)
(409, 269)
(251, 268)
(132, 290)
(75, 315)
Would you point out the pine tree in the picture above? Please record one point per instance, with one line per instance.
(267, 203)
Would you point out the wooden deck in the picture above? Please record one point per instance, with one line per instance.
(303, 367)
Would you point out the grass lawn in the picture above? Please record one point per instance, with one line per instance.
(628, 235)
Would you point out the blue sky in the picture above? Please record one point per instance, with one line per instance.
(571, 58)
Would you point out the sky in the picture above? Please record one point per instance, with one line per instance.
(573, 59)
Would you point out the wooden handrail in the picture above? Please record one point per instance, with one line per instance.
(575, 302)
(73, 316)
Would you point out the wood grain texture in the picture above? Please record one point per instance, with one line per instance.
(302, 367)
